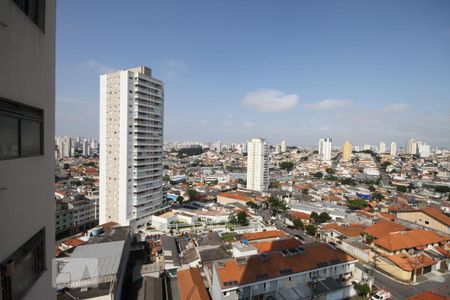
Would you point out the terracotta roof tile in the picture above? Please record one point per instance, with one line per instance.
(263, 235)
(191, 285)
(406, 262)
(276, 245)
(428, 295)
(383, 227)
(409, 239)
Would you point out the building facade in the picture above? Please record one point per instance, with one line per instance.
(347, 151)
(131, 145)
(393, 149)
(325, 149)
(27, 130)
(258, 165)
(382, 148)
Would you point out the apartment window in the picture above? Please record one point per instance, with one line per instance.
(22, 269)
(21, 130)
(35, 10)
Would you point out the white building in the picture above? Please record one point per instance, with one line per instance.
(423, 150)
(27, 133)
(283, 146)
(412, 146)
(393, 149)
(131, 143)
(382, 148)
(258, 165)
(325, 149)
(86, 148)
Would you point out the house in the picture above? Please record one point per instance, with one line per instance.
(405, 266)
(263, 235)
(285, 274)
(429, 295)
(429, 217)
(335, 233)
(191, 285)
(232, 197)
(382, 228)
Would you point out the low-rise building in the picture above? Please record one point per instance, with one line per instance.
(429, 217)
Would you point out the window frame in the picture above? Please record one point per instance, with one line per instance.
(23, 112)
(39, 261)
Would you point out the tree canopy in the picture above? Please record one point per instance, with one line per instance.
(287, 165)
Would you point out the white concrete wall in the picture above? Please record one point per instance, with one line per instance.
(27, 75)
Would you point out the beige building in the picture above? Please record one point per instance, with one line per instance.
(347, 151)
(429, 217)
(27, 132)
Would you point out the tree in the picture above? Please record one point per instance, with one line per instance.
(323, 217)
(348, 181)
(242, 218)
(318, 174)
(166, 178)
(372, 188)
(362, 289)
(401, 188)
(305, 192)
(252, 205)
(287, 165)
(66, 166)
(314, 216)
(311, 229)
(369, 238)
(357, 204)
(180, 199)
(298, 223)
(192, 194)
(330, 170)
(377, 196)
(442, 189)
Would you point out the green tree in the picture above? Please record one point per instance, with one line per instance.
(377, 196)
(369, 238)
(311, 229)
(362, 289)
(242, 218)
(180, 199)
(192, 194)
(318, 174)
(401, 188)
(323, 217)
(66, 166)
(305, 192)
(298, 223)
(287, 165)
(166, 178)
(357, 204)
(372, 188)
(442, 189)
(330, 170)
(314, 216)
(252, 205)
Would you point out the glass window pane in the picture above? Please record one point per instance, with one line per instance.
(23, 275)
(9, 137)
(30, 137)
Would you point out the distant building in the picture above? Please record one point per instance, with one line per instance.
(283, 146)
(86, 148)
(393, 149)
(382, 148)
(325, 149)
(131, 146)
(347, 151)
(411, 147)
(423, 150)
(258, 165)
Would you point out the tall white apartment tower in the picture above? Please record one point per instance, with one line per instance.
(283, 146)
(393, 149)
(131, 145)
(258, 165)
(325, 149)
(382, 148)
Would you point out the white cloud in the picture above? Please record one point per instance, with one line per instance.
(175, 68)
(328, 104)
(396, 107)
(98, 67)
(270, 101)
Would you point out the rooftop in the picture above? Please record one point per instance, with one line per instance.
(383, 227)
(263, 235)
(191, 285)
(409, 239)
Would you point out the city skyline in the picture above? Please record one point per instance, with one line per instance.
(375, 82)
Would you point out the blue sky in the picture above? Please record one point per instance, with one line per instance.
(365, 71)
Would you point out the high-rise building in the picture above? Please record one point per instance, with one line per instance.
(218, 146)
(367, 147)
(411, 147)
(131, 146)
(283, 146)
(423, 150)
(325, 149)
(393, 149)
(382, 148)
(27, 132)
(347, 151)
(258, 165)
(86, 148)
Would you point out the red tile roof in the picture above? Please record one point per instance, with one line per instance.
(407, 263)
(263, 235)
(236, 196)
(274, 264)
(191, 285)
(299, 215)
(351, 230)
(383, 227)
(409, 239)
(438, 215)
(276, 245)
(428, 295)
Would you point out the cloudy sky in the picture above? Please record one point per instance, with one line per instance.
(365, 71)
